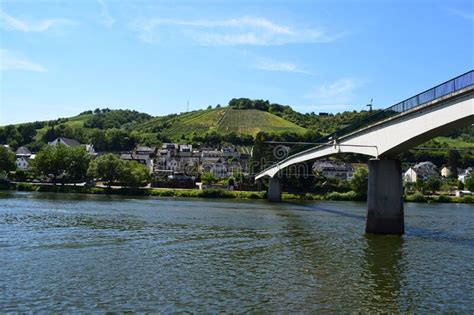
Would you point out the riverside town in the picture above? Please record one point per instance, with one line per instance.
(286, 157)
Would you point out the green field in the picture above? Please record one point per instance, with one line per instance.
(458, 143)
(252, 121)
(73, 122)
(221, 120)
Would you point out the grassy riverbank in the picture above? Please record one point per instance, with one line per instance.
(221, 193)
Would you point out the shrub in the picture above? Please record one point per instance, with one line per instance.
(26, 187)
(468, 199)
(443, 198)
(416, 197)
(347, 196)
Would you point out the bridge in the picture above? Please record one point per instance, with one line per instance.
(384, 135)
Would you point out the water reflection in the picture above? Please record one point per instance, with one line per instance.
(382, 270)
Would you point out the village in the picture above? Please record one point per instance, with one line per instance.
(176, 165)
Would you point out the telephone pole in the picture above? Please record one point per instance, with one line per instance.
(370, 105)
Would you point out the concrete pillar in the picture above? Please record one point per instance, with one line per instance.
(274, 190)
(385, 198)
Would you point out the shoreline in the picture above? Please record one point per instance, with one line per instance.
(222, 194)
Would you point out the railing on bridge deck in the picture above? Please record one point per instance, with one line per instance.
(463, 81)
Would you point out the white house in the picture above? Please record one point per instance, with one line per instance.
(23, 162)
(465, 173)
(445, 171)
(23, 157)
(334, 170)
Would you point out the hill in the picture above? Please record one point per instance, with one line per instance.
(238, 123)
(220, 120)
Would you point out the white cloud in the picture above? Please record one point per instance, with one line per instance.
(463, 14)
(246, 30)
(336, 94)
(14, 61)
(15, 24)
(107, 19)
(273, 65)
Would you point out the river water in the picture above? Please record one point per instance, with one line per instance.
(84, 253)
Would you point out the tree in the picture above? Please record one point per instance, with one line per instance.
(433, 184)
(420, 184)
(53, 161)
(7, 160)
(50, 135)
(454, 159)
(207, 178)
(358, 183)
(134, 174)
(108, 167)
(78, 164)
(28, 132)
(469, 182)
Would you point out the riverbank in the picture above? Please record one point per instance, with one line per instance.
(221, 193)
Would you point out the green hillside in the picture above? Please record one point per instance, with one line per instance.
(73, 122)
(238, 124)
(221, 120)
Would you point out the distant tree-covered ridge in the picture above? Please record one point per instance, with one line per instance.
(115, 118)
(239, 123)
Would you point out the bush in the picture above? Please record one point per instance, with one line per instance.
(416, 197)
(216, 193)
(468, 199)
(347, 196)
(443, 198)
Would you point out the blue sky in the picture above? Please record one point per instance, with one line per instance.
(59, 58)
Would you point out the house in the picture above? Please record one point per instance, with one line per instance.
(172, 148)
(23, 162)
(334, 170)
(464, 173)
(185, 150)
(422, 170)
(462, 193)
(22, 152)
(446, 171)
(23, 157)
(73, 143)
(230, 151)
(144, 150)
(65, 141)
(215, 165)
(140, 158)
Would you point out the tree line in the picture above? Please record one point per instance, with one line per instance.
(62, 164)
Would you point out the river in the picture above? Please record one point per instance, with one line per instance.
(82, 253)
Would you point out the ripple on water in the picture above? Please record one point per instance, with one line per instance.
(147, 255)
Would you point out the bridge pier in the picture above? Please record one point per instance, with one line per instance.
(385, 198)
(274, 190)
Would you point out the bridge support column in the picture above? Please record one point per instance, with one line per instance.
(274, 190)
(385, 198)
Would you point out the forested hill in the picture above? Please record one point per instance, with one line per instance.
(238, 123)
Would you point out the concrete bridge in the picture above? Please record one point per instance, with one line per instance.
(383, 136)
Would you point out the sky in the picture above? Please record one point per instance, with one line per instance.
(59, 58)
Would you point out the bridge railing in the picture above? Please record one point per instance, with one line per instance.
(463, 81)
